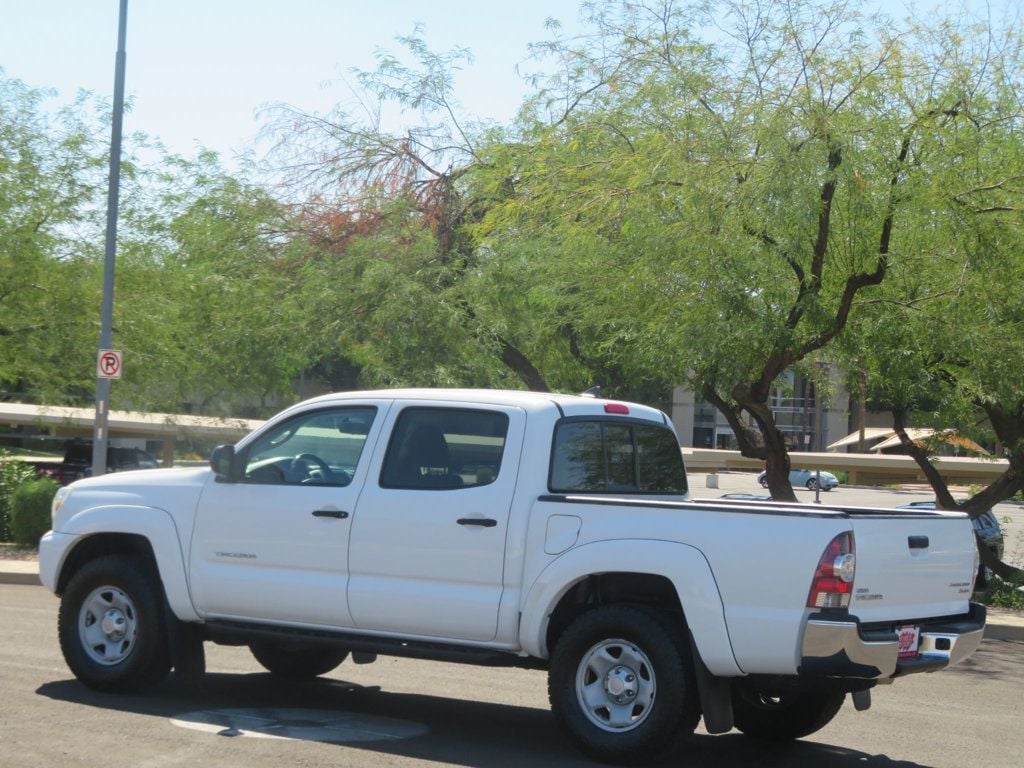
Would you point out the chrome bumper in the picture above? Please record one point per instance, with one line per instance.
(843, 648)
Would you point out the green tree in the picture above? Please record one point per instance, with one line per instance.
(210, 308)
(48, 180)
(388, 216)
(724, 203)
(947, 345)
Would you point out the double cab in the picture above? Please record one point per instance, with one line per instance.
(517, 529)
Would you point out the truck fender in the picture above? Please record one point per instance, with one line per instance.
(158, 528)
(685, 566)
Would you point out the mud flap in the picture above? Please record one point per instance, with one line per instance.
(715, 695)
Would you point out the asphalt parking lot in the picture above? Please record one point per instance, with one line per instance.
(399, 712)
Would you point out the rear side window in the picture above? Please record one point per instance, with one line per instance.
(594, 456)
(442, 448)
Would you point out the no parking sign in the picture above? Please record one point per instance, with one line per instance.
(108, 364)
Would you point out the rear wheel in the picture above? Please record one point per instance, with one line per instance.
(296, 660)
(784, 715)
(812, 484)
(111, 625)
(622, 685)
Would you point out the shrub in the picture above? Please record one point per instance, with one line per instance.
(1004, 594)
(30, 510)
(12, 474)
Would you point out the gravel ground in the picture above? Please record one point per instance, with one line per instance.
(16, 552)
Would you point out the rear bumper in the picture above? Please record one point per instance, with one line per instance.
(845, 648)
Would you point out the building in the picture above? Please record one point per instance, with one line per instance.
(809, 416)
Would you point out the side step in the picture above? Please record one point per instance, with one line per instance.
(241, 632)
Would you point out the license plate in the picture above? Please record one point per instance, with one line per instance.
(909, 637)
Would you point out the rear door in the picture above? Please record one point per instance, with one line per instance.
(912, 564)
(427, 547)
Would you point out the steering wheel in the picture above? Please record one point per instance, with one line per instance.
(304, 462)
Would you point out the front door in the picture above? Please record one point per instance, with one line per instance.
(272, 543)
(427, 549)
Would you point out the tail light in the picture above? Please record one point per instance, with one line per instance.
(833, 580)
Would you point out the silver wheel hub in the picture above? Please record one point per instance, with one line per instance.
(621, 684)
(114, 624)
(615, 685)
(107, 625)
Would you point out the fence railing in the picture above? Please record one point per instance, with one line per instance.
(861, 468)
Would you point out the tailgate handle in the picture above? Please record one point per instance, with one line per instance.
(917, 542)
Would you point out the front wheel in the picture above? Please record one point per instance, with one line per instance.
(784, 715)
(622, 685)
(111, 625)
(296, 660)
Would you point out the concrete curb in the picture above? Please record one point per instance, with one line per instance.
(20, 572)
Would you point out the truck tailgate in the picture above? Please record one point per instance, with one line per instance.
(911, 565)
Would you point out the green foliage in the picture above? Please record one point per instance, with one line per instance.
(12, 475)
(49, 176)
(1004, 594)
(30, 510)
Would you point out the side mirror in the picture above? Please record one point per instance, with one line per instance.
(222, 461)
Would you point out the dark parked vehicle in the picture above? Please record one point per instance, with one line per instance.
(986, 526)
(78, 462)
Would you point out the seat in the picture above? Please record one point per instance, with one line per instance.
(424, 461)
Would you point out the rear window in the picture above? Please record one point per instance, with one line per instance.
(604, 456)
(444, 448)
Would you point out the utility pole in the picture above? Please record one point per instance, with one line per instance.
(99, 441)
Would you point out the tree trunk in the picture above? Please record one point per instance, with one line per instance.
(520, 365)
(773, 450)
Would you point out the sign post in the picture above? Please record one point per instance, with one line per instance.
(110, 360)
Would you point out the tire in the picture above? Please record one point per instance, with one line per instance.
(812, 484)
(764, 482)
(621, 684)
(983, 578)
(111, 625)
(296, 660)
(784, 716)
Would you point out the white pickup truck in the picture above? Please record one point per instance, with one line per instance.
(516, 529)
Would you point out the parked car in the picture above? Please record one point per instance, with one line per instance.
(805, 478)
(986, 526)
(77, 462)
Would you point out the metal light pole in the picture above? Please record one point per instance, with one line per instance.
(99, 442)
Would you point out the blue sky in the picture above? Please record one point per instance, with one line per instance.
(198, 70)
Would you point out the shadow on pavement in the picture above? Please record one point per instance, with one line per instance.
(468, 733)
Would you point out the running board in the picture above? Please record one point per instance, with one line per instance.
(242, 632)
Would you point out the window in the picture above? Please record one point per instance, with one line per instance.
(592, 456)
(318, 448)
(440, 448)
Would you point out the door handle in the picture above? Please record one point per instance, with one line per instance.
(917, 542)
(340, 514)
(483, 522)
